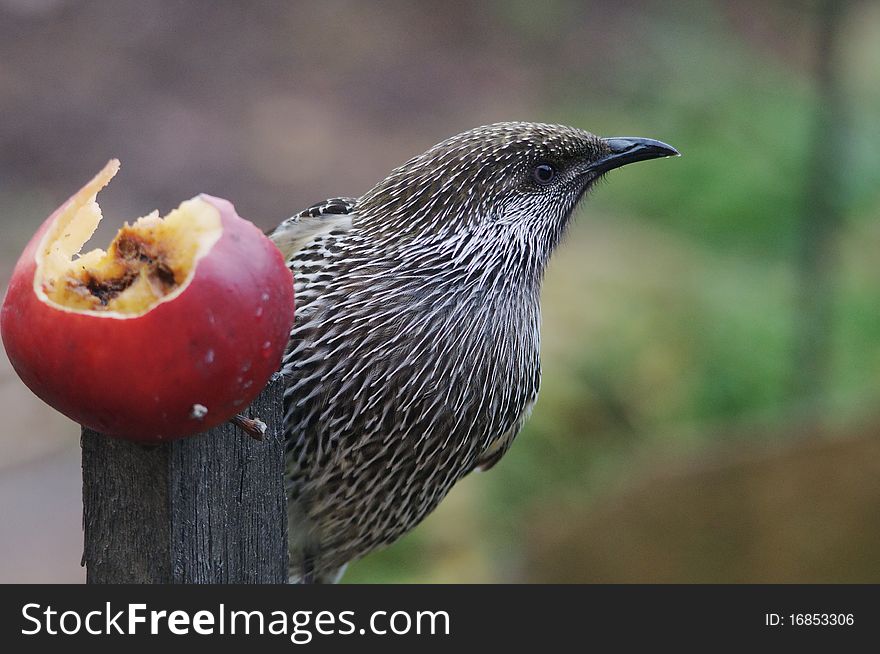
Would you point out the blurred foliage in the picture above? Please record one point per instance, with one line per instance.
(670, 310)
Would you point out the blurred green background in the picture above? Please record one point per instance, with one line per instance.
(711, 336)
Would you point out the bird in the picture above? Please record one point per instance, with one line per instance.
(414, 358)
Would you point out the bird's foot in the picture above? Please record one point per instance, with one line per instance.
(253, 427)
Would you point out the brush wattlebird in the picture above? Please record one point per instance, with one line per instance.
(414, 358)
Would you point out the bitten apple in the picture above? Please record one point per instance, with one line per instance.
(173, 330)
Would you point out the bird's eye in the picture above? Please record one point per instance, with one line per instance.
(544, 173)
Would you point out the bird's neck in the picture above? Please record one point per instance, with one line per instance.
(504, 266)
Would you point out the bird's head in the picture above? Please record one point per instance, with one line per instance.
(518, 180)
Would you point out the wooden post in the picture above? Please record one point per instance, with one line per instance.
(206, 509)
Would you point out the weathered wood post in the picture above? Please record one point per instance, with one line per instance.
(206, 509)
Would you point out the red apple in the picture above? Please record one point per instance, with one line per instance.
(173, 330)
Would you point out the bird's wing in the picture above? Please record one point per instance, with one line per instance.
(295, 232)
(498, 448)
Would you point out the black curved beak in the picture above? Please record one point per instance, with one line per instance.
(628, 149)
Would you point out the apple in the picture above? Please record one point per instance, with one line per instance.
(173, 330)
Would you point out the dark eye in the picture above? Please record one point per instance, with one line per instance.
(544, 173)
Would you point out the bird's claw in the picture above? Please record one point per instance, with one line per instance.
(253, 427)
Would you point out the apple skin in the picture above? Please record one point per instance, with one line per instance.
(140, 378)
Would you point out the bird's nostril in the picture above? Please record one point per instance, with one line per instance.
(620, 146)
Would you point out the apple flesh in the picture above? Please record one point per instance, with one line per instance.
(173, 330)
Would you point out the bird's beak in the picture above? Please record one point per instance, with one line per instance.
(628, 149)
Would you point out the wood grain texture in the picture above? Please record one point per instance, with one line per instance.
(206, 509)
